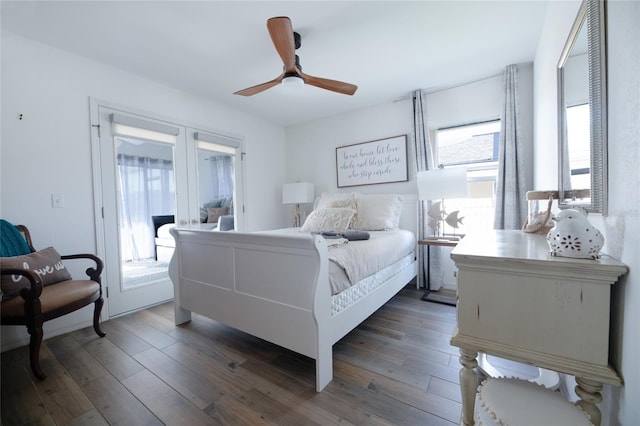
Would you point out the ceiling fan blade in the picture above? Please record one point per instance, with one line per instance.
(253, 90)
(281, 32)
(333, 85)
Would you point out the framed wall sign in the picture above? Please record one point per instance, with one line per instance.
(374, 162)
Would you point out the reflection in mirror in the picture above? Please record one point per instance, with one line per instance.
(216, 183)
(582, 112)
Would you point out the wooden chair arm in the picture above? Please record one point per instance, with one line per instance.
(93, 273)
(32, 292)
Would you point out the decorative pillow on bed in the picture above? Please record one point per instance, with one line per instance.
(327, 199)
(45, 263)
(214, 213)
(331, 219)
(378, 212)
(350, 203)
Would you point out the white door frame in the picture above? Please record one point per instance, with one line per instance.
(97, 165)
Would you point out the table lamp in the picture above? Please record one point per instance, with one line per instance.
(297, 193)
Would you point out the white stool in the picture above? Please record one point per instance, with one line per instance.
(517, 402)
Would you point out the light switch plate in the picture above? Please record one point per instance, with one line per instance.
(57, 201)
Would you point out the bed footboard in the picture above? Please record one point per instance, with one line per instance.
(275, 287)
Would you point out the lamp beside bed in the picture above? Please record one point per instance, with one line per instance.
(297, 193)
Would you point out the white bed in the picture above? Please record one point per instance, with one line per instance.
(275, 285)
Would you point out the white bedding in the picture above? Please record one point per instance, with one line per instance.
(353, 261)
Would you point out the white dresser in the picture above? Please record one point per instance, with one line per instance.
(518, 302)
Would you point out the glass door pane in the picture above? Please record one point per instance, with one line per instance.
(146, 205)
(216, 183)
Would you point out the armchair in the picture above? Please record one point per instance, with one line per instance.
(36, 287)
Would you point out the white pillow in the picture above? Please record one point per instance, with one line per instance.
(327, 198)
(379, 212)
(328, 220)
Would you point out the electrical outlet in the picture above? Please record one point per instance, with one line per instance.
(57, 201)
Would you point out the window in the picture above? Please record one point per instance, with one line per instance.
(474, 146)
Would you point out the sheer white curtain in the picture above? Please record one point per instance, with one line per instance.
(146, 188)
(511, 204)
(222, 176)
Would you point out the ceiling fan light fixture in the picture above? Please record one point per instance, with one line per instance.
(292, 82)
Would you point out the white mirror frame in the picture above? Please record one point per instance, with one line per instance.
(591, 13)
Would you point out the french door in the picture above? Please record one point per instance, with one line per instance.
(152, 174)
(143, 164)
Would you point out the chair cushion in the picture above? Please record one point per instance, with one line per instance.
(54, 297)
(12, 242)
(45, 263)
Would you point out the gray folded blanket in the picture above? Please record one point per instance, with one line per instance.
(349, 235)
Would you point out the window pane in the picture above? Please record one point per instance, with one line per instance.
(474, 146)
(468, 144)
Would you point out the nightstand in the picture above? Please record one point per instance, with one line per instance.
(430, 294)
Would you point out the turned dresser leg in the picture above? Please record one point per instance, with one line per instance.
(468, 384)
(589, 392)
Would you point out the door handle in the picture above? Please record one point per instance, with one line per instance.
(195, 221)
(184, 222)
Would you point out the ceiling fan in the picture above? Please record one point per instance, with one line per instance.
(286, 41)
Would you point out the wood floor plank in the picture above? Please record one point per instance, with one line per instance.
(190, 384)
(352, 373)
(354, 355)
(118, 405)
(207, 343)
(61, 394)
(148, 333)
(421, 399)
(90, 418)
(238, 381)
(167, 404)
(20, 401)
(113, 359)
(445, 389)
(231, 411)
(121, 337)
(210, 366)
(80, 364)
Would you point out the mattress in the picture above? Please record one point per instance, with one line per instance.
(348, 297)
(353, 262)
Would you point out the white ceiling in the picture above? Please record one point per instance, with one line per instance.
(214, 48)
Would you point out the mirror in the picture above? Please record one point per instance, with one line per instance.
(582, 113)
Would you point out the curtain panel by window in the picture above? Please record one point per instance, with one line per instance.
(424, 161)
(511, 189)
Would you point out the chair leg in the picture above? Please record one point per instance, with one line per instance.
(96, 317)
(34, 351)
(33, 314)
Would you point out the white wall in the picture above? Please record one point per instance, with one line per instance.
(49, 150)
(622, 226)
(558, 22)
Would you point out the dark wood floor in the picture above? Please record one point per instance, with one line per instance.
(396, 368)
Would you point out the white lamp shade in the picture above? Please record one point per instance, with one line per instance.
(442, 183)
(297, 193)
